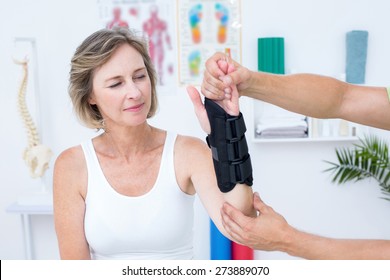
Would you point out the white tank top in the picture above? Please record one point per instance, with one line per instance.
(156, 225)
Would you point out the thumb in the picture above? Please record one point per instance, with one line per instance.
(223, 65)
(231, 68)
(233, 78)
(199, 108)
(259, 204)
(195, 98)
(235, 95)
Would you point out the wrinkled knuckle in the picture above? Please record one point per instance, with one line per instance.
(208, 79)
(245, 236)
(221, 86)
(247, 227)
(205, 92)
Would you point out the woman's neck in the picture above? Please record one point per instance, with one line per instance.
(129, 141)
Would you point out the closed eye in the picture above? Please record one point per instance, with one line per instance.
(115, 85)
(139, 77)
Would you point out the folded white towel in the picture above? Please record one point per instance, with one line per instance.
(281, 135)
(274, 136)
(301, 125)
(274, 112)
(293, 132)
(297, 129)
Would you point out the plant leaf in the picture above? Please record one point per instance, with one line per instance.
(368, 158)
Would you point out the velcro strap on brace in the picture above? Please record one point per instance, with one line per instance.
(229, 148)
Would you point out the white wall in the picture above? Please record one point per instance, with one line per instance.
(288, 175)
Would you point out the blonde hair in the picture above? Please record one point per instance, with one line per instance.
(93, 52)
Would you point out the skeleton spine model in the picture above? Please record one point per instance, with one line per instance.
(36, 155)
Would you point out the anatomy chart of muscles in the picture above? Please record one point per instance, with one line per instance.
(153, 19)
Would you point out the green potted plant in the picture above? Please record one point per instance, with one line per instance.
(369, 158)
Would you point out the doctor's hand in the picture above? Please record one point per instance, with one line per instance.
(217, 81)
(268, 231)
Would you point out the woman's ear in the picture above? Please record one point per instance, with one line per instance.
(91, 100)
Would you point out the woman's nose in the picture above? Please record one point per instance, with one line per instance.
(132, 91)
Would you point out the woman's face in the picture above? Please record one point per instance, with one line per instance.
(122, 88)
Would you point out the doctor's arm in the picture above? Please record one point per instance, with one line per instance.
(308, 94)
(269, 231)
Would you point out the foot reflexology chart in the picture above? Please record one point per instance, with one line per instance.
(205, 27)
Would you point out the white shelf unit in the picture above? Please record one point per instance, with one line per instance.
(354, 130)
(307, 139)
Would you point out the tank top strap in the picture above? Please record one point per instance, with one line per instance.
(91, 159)
(167, 161)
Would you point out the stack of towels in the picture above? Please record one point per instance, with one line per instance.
(276, 122)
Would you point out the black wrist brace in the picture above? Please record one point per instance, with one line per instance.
(228, 145)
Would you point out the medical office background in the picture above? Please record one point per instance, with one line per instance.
(288, 174)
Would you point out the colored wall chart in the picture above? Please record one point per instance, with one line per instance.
(154, 19)
(205, 27)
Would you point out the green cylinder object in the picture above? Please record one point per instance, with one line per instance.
(271, 55)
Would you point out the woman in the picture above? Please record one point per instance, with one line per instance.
(128, 193)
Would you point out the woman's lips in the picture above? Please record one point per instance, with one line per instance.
(135, 108)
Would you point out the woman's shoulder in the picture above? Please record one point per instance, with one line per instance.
(192, 155)
(70, 173)
(70, 158)
(191, 145)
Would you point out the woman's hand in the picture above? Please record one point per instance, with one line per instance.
(229, 104)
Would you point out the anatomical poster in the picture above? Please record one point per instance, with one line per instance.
(154, 19)
(205, 27)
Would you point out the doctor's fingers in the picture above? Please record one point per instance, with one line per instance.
(212, 87)
(235, 221)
